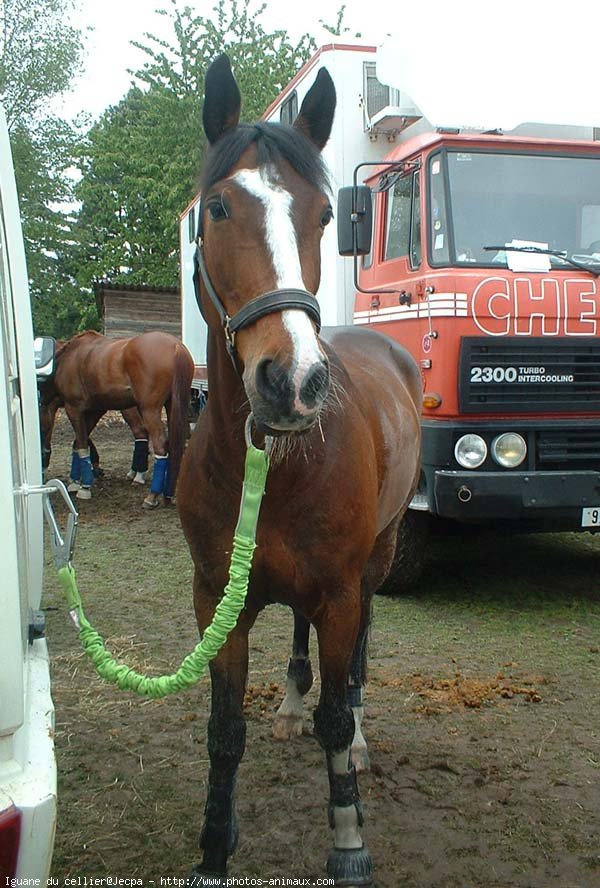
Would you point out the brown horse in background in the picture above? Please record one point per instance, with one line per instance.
(344, 409)
(138, 376)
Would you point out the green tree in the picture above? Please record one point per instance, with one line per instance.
(142, 159)
(263, 61)
(339, 28)
(40, 53)
(139, 171)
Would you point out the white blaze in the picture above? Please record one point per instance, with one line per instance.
(283, 246)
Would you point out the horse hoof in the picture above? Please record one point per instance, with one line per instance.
(130, 475)
(150, 504)
(199, 879)
(84, 493)
(287, 726)
(350, 867)
(74, 486)
(360, 758)
(138, 478)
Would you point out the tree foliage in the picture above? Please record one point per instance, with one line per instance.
(139, 164)
(139, 171)
(142, 160)
(263, 61)
(42, 159)
(40, 53)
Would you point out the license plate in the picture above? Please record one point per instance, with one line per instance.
(590, 517)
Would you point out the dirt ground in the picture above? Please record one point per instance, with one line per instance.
(482, 714)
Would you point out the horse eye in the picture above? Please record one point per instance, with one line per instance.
(217, 211)
(327, 217)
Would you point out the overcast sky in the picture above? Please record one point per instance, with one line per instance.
(510, 46)
(114, 23)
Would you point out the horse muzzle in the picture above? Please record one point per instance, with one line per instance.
(286, 401)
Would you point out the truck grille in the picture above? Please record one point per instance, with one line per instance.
(576, 449)
(534, 375)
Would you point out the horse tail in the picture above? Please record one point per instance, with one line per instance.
(181, 384)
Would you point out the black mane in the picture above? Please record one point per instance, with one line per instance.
(274, 141)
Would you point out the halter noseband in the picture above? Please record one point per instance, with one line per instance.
(259, 307)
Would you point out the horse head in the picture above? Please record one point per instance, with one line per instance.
(263, 211)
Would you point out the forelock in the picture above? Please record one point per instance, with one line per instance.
(274, 142)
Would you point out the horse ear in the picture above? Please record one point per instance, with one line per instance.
(222, 101)
(316, 114)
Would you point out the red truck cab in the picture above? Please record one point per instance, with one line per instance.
(484, 264)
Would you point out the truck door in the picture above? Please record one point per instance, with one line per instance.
(397, 260)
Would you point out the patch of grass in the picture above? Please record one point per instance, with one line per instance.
(500, 794)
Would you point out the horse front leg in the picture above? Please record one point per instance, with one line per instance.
(92, 418)
(349, 863)
(82, 473)
(226, 744)
(289, 717)
(48, 413)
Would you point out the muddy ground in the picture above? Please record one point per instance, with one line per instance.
(483, 715)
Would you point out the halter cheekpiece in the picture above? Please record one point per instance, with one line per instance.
(259, 307)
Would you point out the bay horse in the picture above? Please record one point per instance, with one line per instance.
(344, 407)
(139, 376)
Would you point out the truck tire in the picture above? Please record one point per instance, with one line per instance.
(408, 562)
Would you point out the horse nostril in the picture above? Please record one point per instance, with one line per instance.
(315, 385)
(272, 382)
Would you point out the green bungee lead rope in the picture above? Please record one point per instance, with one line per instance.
(226, 613)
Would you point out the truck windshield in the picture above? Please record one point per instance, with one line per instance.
(499, 198)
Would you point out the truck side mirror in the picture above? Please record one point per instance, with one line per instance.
(43, 350)
(355, 220)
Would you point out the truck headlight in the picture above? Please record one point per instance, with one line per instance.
(509, 449)
(470, 451)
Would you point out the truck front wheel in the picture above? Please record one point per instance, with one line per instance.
(407, 566)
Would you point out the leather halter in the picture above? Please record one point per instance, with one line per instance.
(259, 307)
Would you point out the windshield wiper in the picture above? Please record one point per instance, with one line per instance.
(562, 254)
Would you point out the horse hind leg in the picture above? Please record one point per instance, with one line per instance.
(152, 421)
(289, 718)
(376, 571)
(139, 461)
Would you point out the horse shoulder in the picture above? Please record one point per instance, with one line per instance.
(386, 385)
(377, 365)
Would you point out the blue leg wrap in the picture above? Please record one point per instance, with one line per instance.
(87, 472)
(159, 475)
(140, 456)
(168, 491)
(75, 466)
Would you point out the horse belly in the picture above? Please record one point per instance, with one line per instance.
(114, 398)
